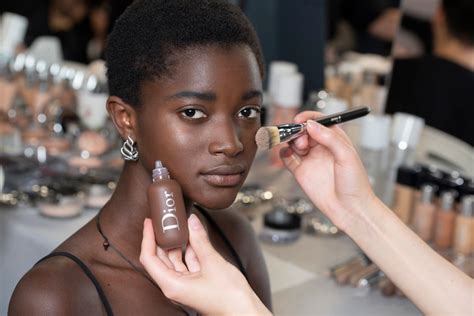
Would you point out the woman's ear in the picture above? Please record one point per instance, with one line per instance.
(124, 117)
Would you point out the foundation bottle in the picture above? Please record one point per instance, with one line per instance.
(445, 217)
(424, 215)
(404, 192)
(168, 213)
(464, 227)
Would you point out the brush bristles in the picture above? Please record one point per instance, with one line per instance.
(267, 137)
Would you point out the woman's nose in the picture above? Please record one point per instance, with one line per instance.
(225, 140)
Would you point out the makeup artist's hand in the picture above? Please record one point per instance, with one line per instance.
(329, 170)
(207, 283)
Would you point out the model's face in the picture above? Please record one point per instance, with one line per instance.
(201, 123)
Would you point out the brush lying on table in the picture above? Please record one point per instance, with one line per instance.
(270, 136)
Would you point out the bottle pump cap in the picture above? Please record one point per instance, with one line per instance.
(467, 208)
(160, 171)
(447, 200)
(427, 192)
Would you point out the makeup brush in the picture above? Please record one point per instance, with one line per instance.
(270, 136)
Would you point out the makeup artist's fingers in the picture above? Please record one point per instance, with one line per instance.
(313, 115)
(199, 241)
(343, 134)
(297, 151)
(164, 257)
(148, 254)
(176, 257)
(330, 139)
(290, 159)
(192, 260)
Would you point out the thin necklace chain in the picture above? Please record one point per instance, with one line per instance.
(106, 244)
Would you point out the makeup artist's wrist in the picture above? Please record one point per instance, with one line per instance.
(362, 217)
(248, 303)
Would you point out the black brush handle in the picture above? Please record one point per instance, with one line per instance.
(344, 116)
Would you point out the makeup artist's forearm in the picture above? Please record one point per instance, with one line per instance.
(432, 283)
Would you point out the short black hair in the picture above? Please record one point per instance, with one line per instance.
(460, 19)
(149, 32)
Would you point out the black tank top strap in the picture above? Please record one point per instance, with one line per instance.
(224, 237)
(89, 274)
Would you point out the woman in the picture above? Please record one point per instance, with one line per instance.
(327, 167)
(185, 80)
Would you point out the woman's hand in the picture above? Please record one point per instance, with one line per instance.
(207, 283)
(328, 169)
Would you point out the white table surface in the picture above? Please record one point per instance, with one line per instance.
(297, 271)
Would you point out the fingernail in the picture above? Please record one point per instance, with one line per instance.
(313, 125)
(194, 222)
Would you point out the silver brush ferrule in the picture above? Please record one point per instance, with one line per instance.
(288, 132)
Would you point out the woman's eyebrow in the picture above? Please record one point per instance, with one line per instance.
(252, 94)
(205, 96)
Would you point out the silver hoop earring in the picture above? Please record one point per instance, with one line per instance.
(129, 151)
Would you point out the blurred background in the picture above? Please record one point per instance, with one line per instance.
(410, 61)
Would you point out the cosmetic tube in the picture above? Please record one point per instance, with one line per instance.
(363, 273)
(445, 217)
(168, 213)
(344, 276)
(387, 287)
(464, 229)
(424, 215)
(404, 192)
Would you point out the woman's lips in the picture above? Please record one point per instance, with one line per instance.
(224, 175)
(229, 180)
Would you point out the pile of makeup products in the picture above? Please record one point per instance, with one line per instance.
(54, 125)
(361, 273)
(439, 207)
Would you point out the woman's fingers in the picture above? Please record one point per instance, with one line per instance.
(163, 256)
(176, 257)
(154, 265)
(199, 241)
(330, 139)
(290, 159)
(314, 116)
(192, 260)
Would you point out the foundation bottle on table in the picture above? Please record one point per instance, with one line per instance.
(424, 213)
(168, 213)
(464, 227)
(404, 192)
(445, 218)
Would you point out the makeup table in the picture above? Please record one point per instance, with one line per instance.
(297, 270)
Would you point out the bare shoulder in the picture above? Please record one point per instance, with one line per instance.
(56, 286)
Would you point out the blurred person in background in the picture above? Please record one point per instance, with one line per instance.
(438, 86)
(372, 25)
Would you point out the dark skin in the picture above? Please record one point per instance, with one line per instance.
(205, 112)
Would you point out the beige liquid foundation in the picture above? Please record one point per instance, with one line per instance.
(168, 213)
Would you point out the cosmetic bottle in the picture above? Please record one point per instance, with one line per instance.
(428, 175)
(445, 217)
(281, 226)
(168, 213)
(464, 227)
(287, 101)
(404, 192)
(424, 215)
(374, 141)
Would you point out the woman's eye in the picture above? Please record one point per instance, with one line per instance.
(249, 112)
(193, 114)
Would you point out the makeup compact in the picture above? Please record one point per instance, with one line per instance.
(280, 226)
